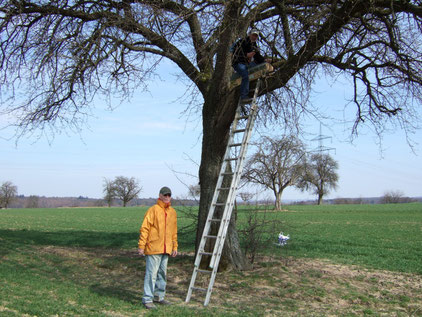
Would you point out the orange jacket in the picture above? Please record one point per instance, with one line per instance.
(158, 233)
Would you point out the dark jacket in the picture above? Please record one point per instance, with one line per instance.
(243, 47)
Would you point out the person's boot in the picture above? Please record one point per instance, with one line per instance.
(150, 305)
(162, 302)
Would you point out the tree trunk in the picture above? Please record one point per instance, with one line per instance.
(320, 192)
(216, 131)
(217, 116)
(278, 200)
(319, 199)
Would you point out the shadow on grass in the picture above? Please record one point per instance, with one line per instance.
(125, 291)
(118, 291)
(107, 261)
(16, 238)
(80, 238)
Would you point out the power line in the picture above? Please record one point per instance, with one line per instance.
(320, 138)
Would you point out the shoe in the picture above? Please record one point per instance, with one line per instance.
(162, 302)
(150, 305)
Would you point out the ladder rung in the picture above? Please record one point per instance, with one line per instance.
(219, 204)
(227, 173)
(199, 289)
(216, 220)
(205, 253)
(240, 130)
(243, 117)
(204, 271)
(235, 144)
(223, 188)
(232, 159)
(210, 237)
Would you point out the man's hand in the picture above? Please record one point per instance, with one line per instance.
(250, 55)
(173, 254)
(141, 252)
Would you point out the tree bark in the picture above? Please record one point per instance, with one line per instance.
(216, 129)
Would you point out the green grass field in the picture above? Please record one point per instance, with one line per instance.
(82, 262)
(378, 236)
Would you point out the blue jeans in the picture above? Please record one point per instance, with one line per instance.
(242, 70)
(155, 277)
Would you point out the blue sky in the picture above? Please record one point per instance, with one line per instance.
(148, 138)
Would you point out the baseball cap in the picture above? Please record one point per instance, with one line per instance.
(254, 31)
(165, 190)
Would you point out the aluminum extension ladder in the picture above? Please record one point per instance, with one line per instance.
(235, 152)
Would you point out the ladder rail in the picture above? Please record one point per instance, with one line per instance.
(221, 236)
(211, 211)
(227, 210)
(229, 200)
(216, 193)
(223, 223)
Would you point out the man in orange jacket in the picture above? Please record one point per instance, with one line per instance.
(158, 240)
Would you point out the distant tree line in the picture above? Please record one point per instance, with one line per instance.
(33, 201)
(10, 199)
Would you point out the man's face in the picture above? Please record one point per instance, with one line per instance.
(165, 198)
(253, 37)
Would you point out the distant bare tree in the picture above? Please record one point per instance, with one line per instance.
(194, 191)
(392, 197)
(109, 191)
(8, 192)
(245, 196)
(126, 188)
(320, 176)
(276, 165)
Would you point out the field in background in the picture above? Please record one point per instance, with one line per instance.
(379, 236)
(83, 262)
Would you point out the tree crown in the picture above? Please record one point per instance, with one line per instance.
(62, 53)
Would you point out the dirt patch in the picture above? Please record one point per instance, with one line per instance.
(275, 287)
(317, 287)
